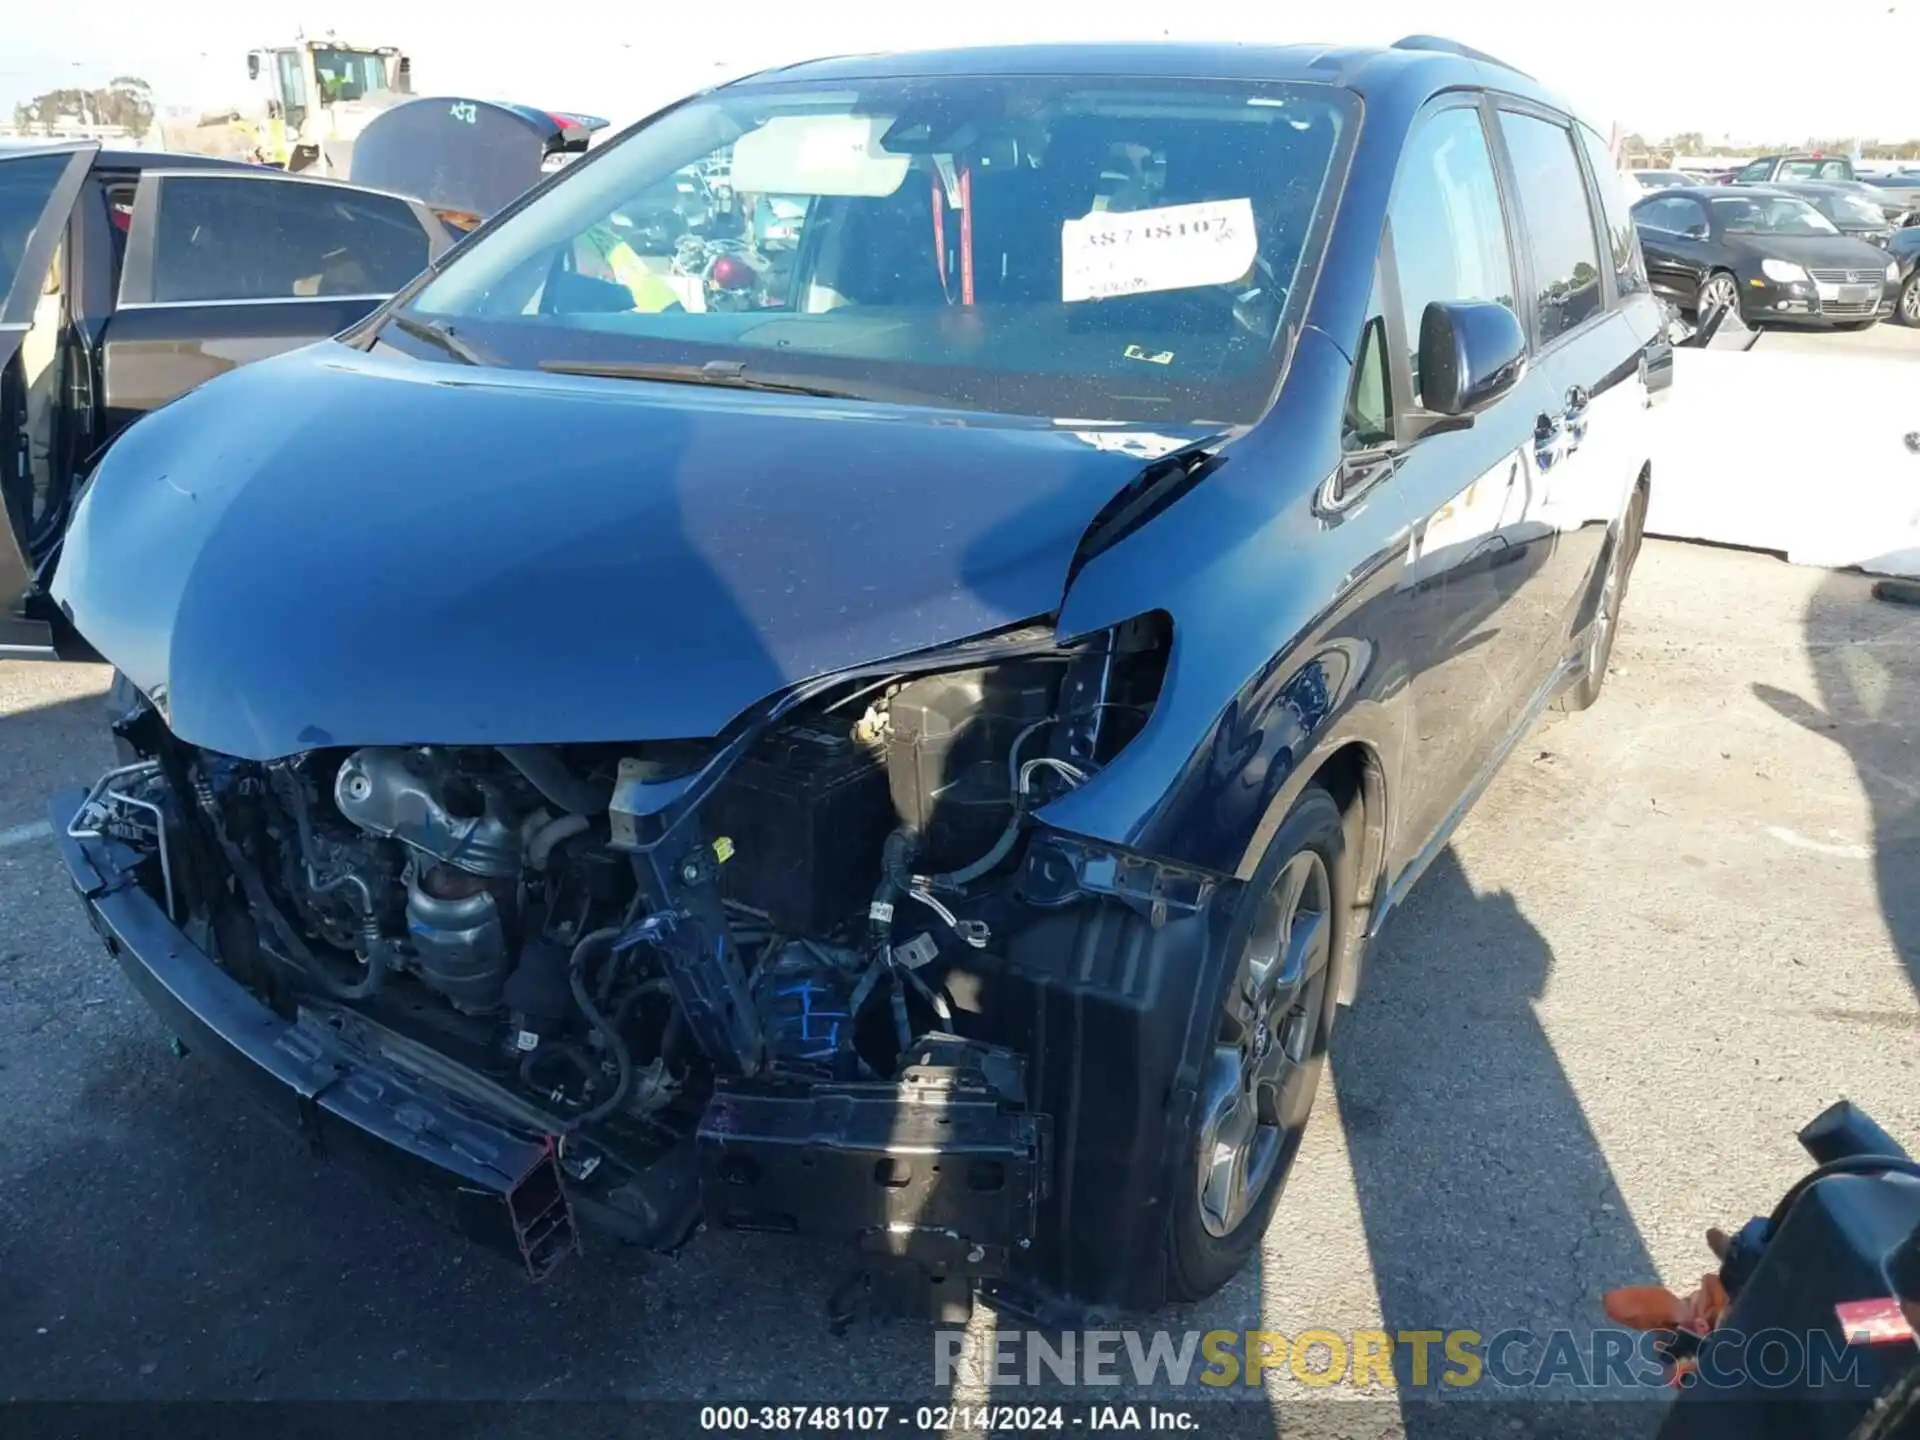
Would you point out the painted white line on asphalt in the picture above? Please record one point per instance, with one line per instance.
(1801, 842)
(24, 834)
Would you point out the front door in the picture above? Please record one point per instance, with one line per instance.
(191, 273)
(37, 192)
(1479, 542)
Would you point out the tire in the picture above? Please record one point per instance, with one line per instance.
(1720, 282)
(1907, 308)
(1605, 625)
(1265, 1048)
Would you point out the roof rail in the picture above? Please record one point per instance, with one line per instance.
(1440, 46)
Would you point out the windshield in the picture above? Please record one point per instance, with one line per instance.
(1771, 216)
(1661, 179)
(1056, 246)
(349, 74)
(1853, 210)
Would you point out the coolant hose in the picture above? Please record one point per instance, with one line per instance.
(540, 848)
(577, 981)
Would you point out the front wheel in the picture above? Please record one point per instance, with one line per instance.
(1721, 292)
(1267, 1045)
(1907, 308)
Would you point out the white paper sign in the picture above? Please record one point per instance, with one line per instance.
(1176, 247)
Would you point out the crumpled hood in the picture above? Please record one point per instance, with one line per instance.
(335, 548)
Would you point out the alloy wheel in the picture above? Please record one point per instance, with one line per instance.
(1719, 294)
(1910, 301)
(1264, 1068)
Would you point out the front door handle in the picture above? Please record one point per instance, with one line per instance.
(1549, 440)
(1576, 416)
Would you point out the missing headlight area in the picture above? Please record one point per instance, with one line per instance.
(809, 976)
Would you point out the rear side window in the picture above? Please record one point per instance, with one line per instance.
(253, 238)
(1449, 234)
(1560, 229)
(1629, 270)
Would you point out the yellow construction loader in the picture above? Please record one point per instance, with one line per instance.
(312, 98)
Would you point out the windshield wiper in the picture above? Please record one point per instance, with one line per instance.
(441, 335)
(729, 374)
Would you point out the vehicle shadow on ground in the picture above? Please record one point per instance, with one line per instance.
(64, 742)
(1865, 655)
(1488, 1201)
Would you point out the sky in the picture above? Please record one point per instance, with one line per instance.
(1644, 64)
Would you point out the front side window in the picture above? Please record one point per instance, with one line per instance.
(1050, 246)
(1449, 233)
(26, 184)
(1369, 418)
(252, 238)
(1553, 198)
(1771, 215)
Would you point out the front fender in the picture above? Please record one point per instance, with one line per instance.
(1274, 658)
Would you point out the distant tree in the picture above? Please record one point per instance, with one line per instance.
(126, 101)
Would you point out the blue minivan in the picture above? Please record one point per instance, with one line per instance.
(914, 754)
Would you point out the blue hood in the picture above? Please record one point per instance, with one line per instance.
(336, 548)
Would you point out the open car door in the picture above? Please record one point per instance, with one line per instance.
(225, 267)
(38, 188)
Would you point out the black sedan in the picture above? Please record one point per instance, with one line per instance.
(1769, 253)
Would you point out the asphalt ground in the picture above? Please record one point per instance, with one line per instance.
(1674, 929)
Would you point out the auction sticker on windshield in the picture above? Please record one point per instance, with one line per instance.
(1175, 247)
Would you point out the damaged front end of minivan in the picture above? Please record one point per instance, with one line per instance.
(825, 974)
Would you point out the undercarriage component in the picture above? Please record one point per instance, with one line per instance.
(497, 1185)
(944, 1168)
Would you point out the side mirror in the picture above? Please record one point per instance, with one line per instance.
(1471, 353)
(253, 65)
(1696, 231)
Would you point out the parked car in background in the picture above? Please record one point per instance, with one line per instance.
(1905, 247)
(1897, 201)
(766, 765)
(130, 276)
(1658, 179)
(1852, 213)
(1767, 253)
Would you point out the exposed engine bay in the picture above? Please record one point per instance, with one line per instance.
(692, 963)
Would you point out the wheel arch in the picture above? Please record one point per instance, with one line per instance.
(1354, 774)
